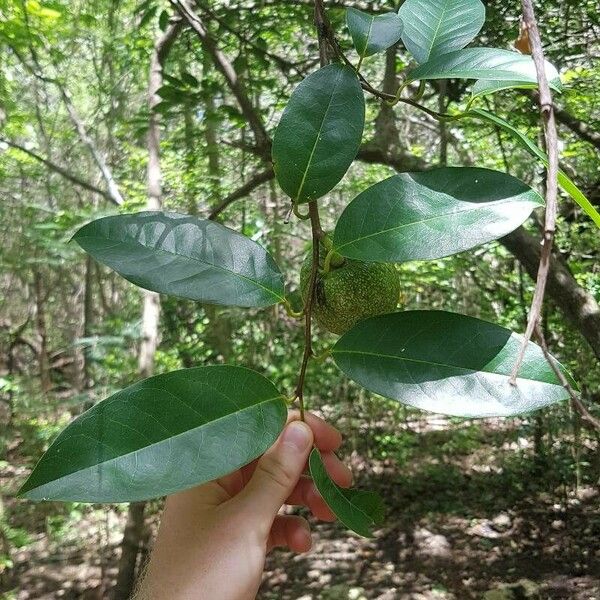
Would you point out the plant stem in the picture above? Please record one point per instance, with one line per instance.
(317, 234)
(324, 35)
(550, 136)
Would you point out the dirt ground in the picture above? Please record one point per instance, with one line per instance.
(470, 515)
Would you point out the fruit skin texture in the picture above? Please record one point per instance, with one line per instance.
(351, 292)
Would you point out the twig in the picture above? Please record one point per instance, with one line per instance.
(576, 402)
(60, 170)
(317, 234)
(547, 113)
(243, 191)
(322, 25)
(223, 64)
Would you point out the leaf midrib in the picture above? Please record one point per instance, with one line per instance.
(135, 243)
(314, 148)
(434, 364)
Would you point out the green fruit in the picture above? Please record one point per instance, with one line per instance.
(350, 292)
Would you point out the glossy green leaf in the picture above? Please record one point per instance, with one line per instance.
(319, 133)
(434, 27)
(161, 435)
(447, 363)
(185, 256)
(373, 33)
(483, 87)
(484, 63)
(358, 510)
(564, 181)
(436, 213)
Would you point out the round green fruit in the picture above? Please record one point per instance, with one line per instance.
(350, 292)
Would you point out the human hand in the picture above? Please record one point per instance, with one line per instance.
(213, 539)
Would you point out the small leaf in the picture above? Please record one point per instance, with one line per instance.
(161, 435)
(434, 27)
(356, 509)
(484, 63)
(564, 181)
(436, 213)
(190, 80)
(171, 94)
(148, 16)
(447, 363)
(319, 133)
(163, 20)
(186, 257)
(372, 33)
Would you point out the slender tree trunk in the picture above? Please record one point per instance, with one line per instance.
(218, 330)
(40, 321)
(576, 303)
(134, 532)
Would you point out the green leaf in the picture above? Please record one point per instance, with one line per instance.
(148, 16)
(163, 20)
(434, 27)
(564, 181)
(319, 133)
(436, 213)
(484, 63)
(484, 87)
(447, 363)
(356, 509)
(161, 435)
(373, 33)
(186, 257)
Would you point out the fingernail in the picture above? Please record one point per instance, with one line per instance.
(298, 435)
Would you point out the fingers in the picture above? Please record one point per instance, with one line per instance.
(276, 474)
(290, 531)
(305, 494)
(327, 437)
(338, 471)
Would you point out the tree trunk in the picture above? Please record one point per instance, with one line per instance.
(130, 547)
(134, 533)
(578, 305)
(40, 321)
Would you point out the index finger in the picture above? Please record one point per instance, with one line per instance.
(327, 437)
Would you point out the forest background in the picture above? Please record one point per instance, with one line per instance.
(117, 105)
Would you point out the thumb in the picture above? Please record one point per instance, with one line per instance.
(276, 474)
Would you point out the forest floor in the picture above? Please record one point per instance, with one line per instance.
(470, 515)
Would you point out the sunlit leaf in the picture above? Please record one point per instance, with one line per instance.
(432, 214)
(434, 27)
(484, 63)
(447, 363)
(184, 256)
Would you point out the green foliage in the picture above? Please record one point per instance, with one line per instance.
(435, 27)
(372, 33)
(489, 64)
(186, 257)
(358, 510)
(161, 435)
(447, 363)
(319, 133)
(186, 427)
(416, 216)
